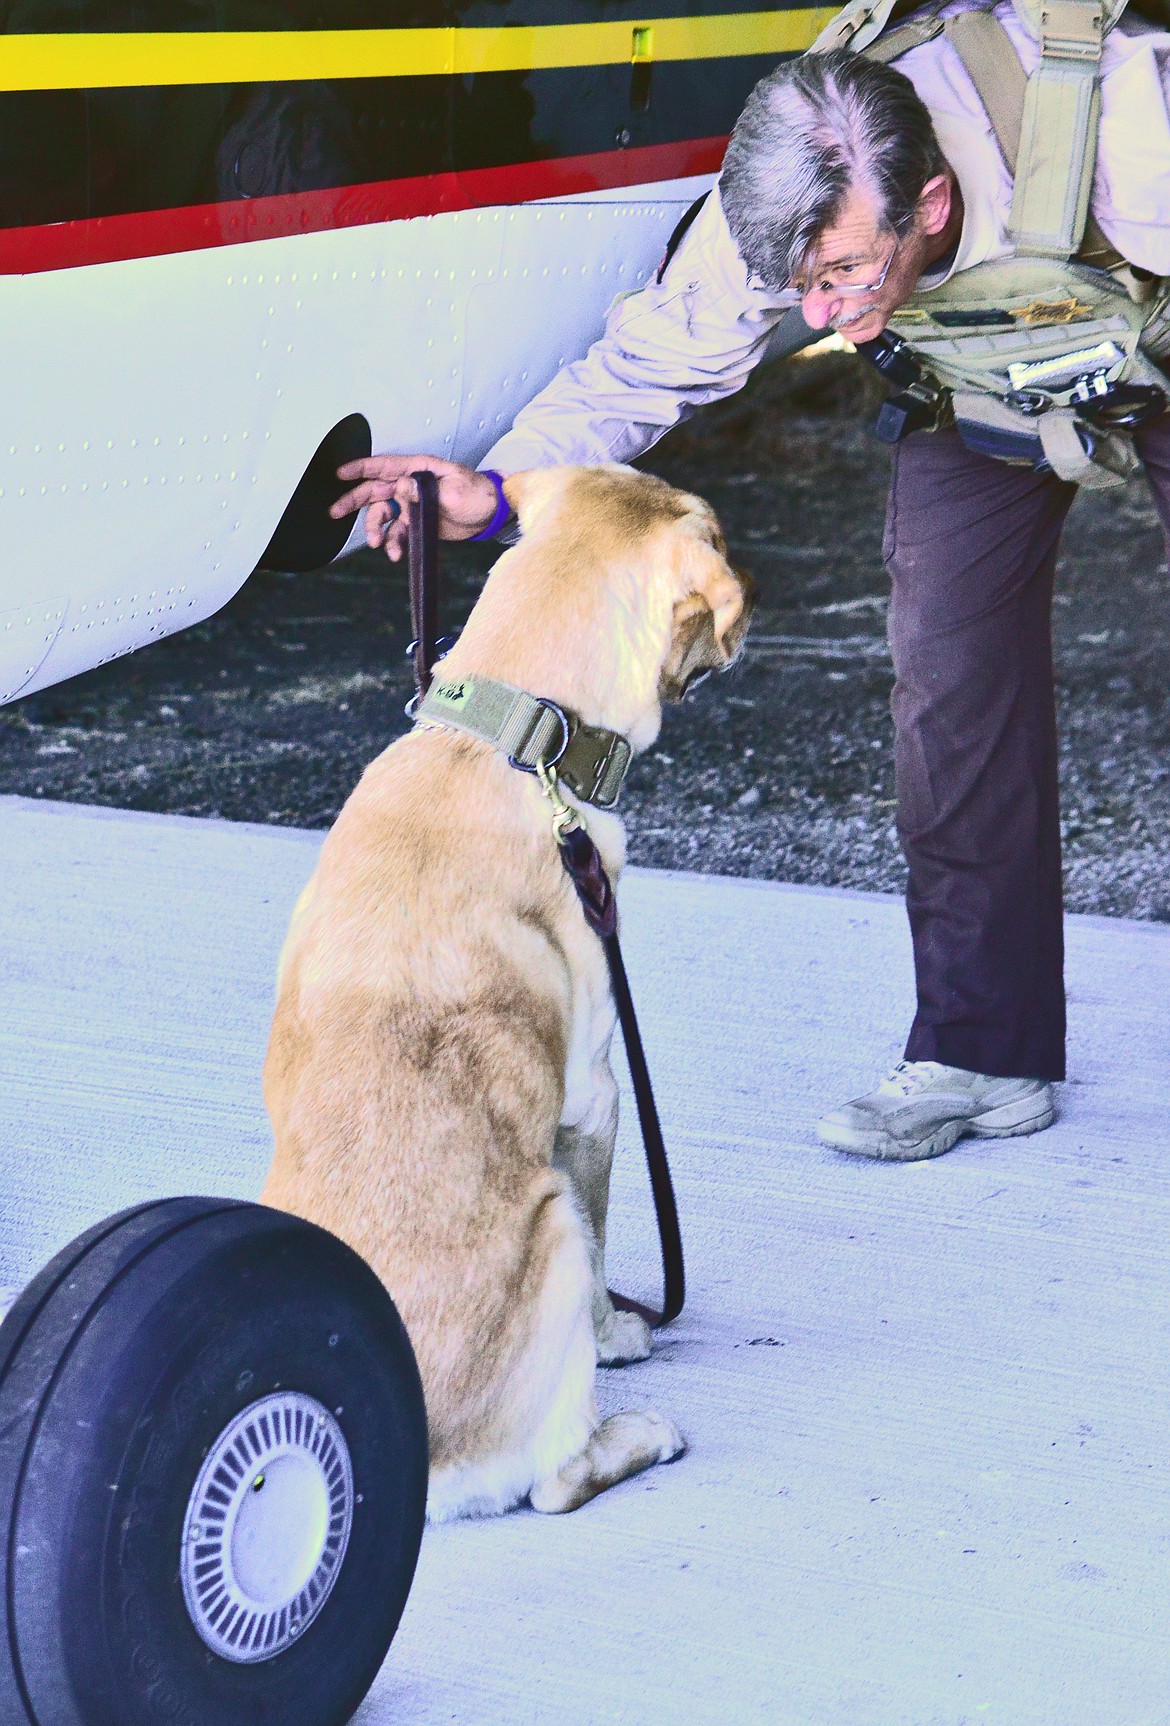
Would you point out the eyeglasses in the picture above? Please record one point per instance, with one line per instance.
(851, 290)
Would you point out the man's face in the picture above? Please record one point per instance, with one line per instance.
(857, 251)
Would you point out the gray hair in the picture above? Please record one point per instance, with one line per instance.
(811, 131)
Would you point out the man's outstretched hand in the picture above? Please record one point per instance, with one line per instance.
(467, 500)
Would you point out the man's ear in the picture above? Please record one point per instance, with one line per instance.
(934, 204)
(530, 491)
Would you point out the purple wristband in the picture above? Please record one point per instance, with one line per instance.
(503, 507)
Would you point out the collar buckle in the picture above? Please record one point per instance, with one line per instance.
(595, 764)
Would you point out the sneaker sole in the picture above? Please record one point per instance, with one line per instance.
(1010, 1121)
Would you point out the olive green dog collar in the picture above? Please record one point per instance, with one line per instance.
(590, 761)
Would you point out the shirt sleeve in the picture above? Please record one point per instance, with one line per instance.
(1131, 190)
(667, 350)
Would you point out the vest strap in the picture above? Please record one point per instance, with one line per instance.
(995, 69)
(855, 26)
(903, 37)
(1058, 138)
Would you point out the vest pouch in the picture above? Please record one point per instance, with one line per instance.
(990, 428)
(1083, 454)
(1055, 441)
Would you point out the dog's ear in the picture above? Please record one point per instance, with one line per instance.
(530, 491)
(708, 623)
(693, 652)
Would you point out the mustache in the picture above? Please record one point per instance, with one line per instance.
(857, 317)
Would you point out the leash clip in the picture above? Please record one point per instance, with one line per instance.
(564, 815)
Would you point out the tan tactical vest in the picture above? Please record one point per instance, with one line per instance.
(1027, 351)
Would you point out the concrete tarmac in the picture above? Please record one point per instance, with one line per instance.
(925, 1403)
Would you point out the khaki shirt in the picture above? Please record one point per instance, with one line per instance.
(694, 338)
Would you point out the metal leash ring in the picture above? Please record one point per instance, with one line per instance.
(566, 734)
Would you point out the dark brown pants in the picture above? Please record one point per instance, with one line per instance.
(971, 548)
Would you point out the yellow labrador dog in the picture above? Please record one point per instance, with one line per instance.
(438, 1073)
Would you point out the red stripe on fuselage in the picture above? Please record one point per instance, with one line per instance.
(151, 233)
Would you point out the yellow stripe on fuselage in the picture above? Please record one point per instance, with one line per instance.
(119, 59)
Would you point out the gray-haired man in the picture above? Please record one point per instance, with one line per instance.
(920, 200)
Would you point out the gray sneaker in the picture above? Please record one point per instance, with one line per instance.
(921, 1108)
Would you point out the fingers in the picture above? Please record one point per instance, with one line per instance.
(380, 518)
(401, 492)
(397, 541)
(387, 468)
(386, 529)
(385, 476)
(373, 491)
(382, 477)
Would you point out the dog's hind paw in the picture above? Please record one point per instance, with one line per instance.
(624, 1337)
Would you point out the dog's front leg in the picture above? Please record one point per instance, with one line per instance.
(585, 1154)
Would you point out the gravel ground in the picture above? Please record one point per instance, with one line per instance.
(268, 711)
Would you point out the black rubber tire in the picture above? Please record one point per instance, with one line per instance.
(120, 1365)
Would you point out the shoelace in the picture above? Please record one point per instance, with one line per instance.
(909, 1077)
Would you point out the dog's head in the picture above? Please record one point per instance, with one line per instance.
(648, 559)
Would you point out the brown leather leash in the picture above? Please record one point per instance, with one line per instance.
(423, 522)
(583, 865)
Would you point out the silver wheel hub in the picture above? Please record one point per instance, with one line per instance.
(267, 1526)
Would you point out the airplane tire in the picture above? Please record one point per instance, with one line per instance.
(213, 1467)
